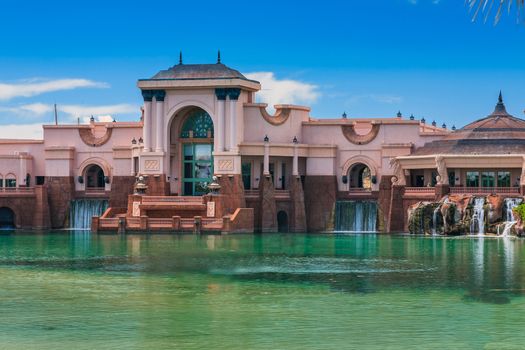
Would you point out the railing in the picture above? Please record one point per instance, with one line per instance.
(171, 199)
(251, 193)
(282, 194)
(95, 189)
(429, 191)
(17, 190)
(360, 191)
(485, 190)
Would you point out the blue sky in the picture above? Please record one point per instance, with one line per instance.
(368, 58)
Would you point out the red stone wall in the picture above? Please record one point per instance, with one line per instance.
(232, 193)
(157, 185)
(23, 208)
(320, 194)
(121, 188)
(298, 213)
(383, 202)
(60, 191)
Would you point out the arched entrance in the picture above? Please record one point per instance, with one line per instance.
(196, 140)
(94, 177)
(360, 176)
(7, 218)
(282, 221)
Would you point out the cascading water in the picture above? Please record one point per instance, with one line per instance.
(477, 223)
(355, 216)
(82, 210)
(509, 204)
(435, 221)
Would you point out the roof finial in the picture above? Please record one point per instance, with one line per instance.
(180, 57)
(500, 98)
(218, 56)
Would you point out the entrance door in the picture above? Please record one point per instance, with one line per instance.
(198, 168)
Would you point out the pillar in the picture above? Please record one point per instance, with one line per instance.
(159, 125)
(146, 130)
(266, 162)
(221, 98)
(295, 164)
(234, 96)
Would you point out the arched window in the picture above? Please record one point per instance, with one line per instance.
(282, 221)
(10, 180)
(360, 176)
(197, 125)
(94, 177)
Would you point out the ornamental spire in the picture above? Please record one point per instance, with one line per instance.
(218, 56)
(500, 106)
(180, 57)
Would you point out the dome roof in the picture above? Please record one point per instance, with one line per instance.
(497, 133)
(199, 71)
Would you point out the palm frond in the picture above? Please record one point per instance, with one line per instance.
(485, 7)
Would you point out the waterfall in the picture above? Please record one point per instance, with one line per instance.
(355, 216)
(82, 210)
(477, 223)
(508, 205)
(434, 221)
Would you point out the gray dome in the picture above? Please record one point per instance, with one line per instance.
(199, 71)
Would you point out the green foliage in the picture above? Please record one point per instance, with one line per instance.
(520, 210)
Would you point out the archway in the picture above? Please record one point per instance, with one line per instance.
(94, 177)
(7, 218)
(282, 221)
(195, 136)
(360, 176)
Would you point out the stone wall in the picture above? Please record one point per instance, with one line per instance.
(320, 194)
(60, 191)
(157, 185)
(232, 193)
(121, 188)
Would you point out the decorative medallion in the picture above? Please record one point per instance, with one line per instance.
(350, 134)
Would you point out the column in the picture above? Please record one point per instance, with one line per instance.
(234, 96)
(159, 98)
(295, 164)
(221, 98)
(146, 130)
(266, 164)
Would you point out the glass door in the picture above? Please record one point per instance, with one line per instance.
(197, 168)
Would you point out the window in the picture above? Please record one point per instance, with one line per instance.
(40, 180)
(197, 125)
(472, 179)
(10, 181)
(488, 179)
(247, 175)
(503, 178)
(451, 178)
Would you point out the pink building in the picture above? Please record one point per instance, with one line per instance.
(285, 171)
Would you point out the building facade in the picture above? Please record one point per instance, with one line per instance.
(283, 171)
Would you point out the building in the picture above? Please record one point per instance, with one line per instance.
(283, 171)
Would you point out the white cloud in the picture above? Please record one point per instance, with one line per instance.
(415, 2)
(103, 113)
(285, 91)
(35, 87)
(21, 131)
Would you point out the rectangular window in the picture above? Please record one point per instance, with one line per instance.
(247, 175)
(283, 176)
(452, 178)
(40, 180)
(488, 179)
(1, 182)
(472, 179)
(503, 178)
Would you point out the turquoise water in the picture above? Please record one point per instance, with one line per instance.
(82, 291)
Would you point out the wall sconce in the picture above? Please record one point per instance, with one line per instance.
(106, 179)
(266, 139)
(374, 179)
(80, 179)
(345, 179)
(295, 140)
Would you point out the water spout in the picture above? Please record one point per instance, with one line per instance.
(477, 223)
(355, 216)
(82, 210)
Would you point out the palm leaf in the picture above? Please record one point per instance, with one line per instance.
(486, 7)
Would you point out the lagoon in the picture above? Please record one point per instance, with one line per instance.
(64, 290)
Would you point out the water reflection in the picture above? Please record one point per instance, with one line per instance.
(477, 267)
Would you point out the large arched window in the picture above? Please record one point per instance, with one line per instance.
(198, 125)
